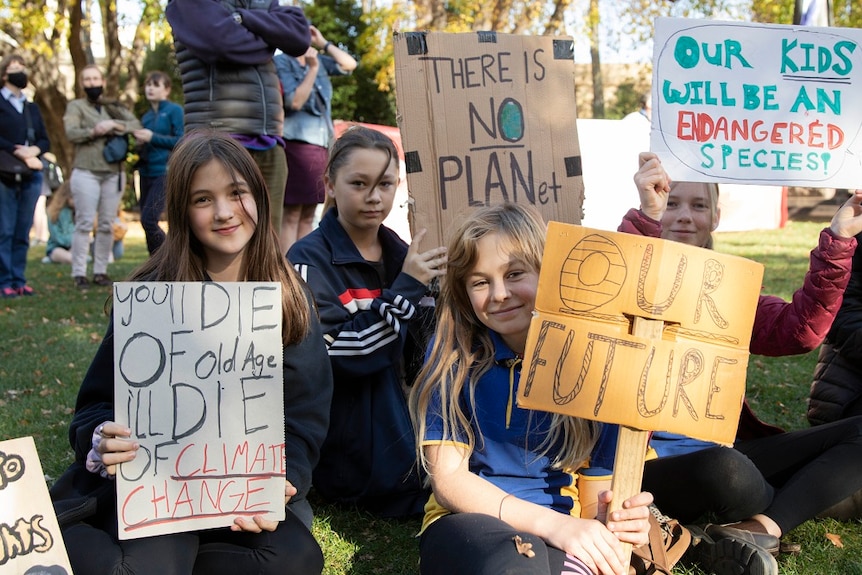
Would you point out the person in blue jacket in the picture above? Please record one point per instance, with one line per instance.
(162, 129)
(23, 135)
(372, 292)
(502, 475)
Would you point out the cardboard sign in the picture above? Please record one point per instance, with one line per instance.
(30, 539)
(738, 102)
(582, 359)
(198, 380)
(487, 118)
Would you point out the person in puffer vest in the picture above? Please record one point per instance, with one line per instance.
(224, 51)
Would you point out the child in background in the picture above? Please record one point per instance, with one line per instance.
(500, 472)
(162, 129)
(218, 213)
(368, 285)
(61, 226)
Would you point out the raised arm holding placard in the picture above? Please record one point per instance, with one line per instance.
(780, 479)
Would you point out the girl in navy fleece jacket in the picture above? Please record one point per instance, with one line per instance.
(371, 289)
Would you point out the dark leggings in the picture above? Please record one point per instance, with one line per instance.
(478, 544)
(94, 550)
(789, 477)
(152, 204)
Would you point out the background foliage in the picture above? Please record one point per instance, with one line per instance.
(59, 37)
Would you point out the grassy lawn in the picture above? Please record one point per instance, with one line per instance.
(47, 342)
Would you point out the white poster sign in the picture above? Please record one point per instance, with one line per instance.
(30, 540)
(198, 380)
(757, 103)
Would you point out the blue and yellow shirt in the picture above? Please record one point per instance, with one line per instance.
(508, 440)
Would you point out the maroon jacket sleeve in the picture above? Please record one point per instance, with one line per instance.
(637, 223)
(798, 326)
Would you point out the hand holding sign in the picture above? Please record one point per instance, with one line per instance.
(424, 266)
(259, 523)
(847, 221)
(627, 521)
(112, 446)
(653, 185)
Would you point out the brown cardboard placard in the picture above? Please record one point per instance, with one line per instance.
(198, 379)
(30, 538)
(582, 358)
(487, 118)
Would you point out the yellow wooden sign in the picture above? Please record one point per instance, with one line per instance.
(583, 359)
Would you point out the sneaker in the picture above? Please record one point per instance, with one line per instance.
(26, 290)
(8, 293)
(46, 260)
(729, 555)
(81, 282)
(102, 280)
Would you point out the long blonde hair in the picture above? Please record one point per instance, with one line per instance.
(463, 350)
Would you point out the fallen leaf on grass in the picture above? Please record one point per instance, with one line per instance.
(95, 337)
(45, 392)
(835, 539)
(525, 549)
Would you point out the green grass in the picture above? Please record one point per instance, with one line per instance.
(47, 342)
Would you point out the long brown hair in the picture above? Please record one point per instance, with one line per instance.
(181, 257)
(463, 350)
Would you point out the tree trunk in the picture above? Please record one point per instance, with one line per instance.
(113, 49)
(76, 41)
(596, 62)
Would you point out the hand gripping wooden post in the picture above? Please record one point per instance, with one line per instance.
(631, 445)
(647, 334)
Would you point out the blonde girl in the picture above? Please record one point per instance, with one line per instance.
(499, 472)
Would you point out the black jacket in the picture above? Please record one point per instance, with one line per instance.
(838, 375)
(373, 325)
(224, 51)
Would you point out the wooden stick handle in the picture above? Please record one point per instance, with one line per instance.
(631, 444)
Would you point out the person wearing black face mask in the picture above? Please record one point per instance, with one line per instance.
(23, 135)
(97, 186)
